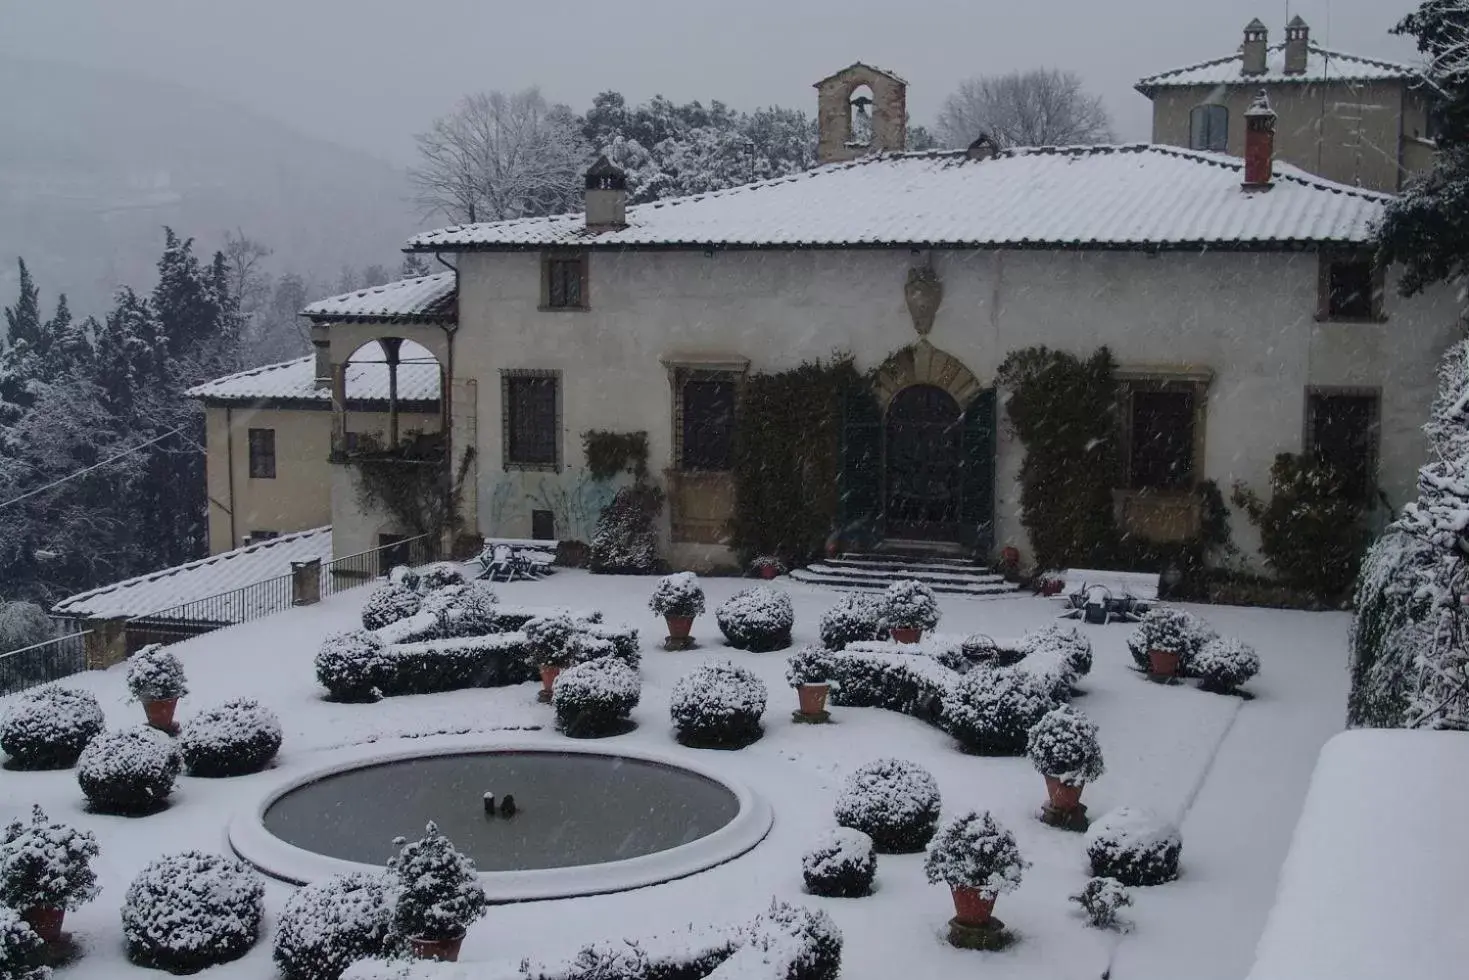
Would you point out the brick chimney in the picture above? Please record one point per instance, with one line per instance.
(606, 196)
(1257, 37)
(1297, 38)
(1259, 143)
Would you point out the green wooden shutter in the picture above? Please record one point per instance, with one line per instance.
(860, 502)
(977, 475)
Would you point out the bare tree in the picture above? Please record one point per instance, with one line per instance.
(499, 156)
(1041, 107)
(249, 285)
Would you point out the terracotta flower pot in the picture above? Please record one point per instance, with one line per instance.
(813, 697)
(971, 908)
(446, 950)
(1063, 797)
(1162, 663)
(679, 626)
(768, 571)
(160, 713)
(548, 677)
(1051, 587)
(904, 634)
(46, 922)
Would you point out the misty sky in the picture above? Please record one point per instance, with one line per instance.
(370, 73)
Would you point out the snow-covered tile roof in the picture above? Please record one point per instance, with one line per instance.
(1133, 196)
(1321, 66)
(203, 579)
(426, 298)
(367, 380)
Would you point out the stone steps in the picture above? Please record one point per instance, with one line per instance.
(876, 572)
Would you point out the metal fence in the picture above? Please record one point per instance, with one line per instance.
(353, 570)
(42, 663)
(214, 612)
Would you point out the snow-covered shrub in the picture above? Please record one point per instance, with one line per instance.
(405, 576)
(550, 640)
(185, 912)
(48, 727)
(624, 640)
(992, 711)
(1102, 899)
(1066, 641)
(854, 617)
(789, 942)
(1064, 746)
(1224, 664)
(155, 674)
(463, 610)
(596, 697)
(328, 926)
(1135, 846)
(677, 595)
(1051, 667)
(1170, 630)
(23, 624)
(46, 864)
(388, 604)
(718, 704)
(893, 801)
(352, 666)
(758, 619)
(232, 739)
(439, 894)
(21, 950)
(973, 851)
(841, 865)
(810, 665)
(896, 681)
(910, 604)
(129, 771)
(455, 663)
(767, 566)
(624, 541)
(440, 574)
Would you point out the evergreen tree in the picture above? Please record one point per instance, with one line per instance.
(23, 320)
(413, 266)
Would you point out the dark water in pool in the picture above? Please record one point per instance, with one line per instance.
(570, 809)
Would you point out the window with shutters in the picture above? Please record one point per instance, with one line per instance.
(1341, 432)
(706, 411)
(531, 419)
(1208, 128)
(262, 454)
(564, 281)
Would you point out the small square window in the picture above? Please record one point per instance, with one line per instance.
(262, 454)
(258, 536)
(564, 281)
(1351, 288)
(531, 408)
(1160, 438)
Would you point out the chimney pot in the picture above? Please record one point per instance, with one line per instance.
(1257, 38)
(1259, 143)
(1297, 42)
(606, 196)
(982, 148)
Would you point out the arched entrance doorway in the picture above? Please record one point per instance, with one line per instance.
(923, 441)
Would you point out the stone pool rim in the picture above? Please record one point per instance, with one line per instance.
(257, 846)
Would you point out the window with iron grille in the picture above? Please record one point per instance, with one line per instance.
(532, 419)
(1160, 438)
(1208, 128)
(706, 430)
(1341, 432)
(564, 280)
(262, 454)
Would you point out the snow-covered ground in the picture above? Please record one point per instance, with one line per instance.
(1233, 773)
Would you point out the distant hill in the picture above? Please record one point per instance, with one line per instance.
(93, 164)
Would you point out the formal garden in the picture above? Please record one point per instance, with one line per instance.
(632, 776)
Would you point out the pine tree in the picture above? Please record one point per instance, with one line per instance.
(23, 320)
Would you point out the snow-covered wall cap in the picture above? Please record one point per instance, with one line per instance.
(202, 579)
(1135, 196)
(425, 299)
(1260, 106)
(295, 381)
(1321, 66)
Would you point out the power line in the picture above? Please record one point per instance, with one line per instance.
(73, 476)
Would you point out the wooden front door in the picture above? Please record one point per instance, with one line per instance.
(922, 464)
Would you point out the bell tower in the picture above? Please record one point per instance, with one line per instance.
(860, 110)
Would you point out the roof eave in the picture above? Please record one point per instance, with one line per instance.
(1293, 244)
(424, 319)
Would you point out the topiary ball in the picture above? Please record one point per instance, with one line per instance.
(1135, 846)
(841, 865)
(1224, 664)
(389, 603)
(185, 912)
(991, 711)
(353, 665)
(893, 801)
(47, 728)
(718, 705)
(1174, 630)
(232, 739)
(594, 699)
(328, 926)
(758, 619)
(21, 951)
(854, 618)
(129, 771)
(464, 610)
(1064, 641)
(440, 575)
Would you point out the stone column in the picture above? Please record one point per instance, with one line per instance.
(105, 643)
(306, 582)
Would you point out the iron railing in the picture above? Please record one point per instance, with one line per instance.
(354, 570)
(214, 612)
(42, 663)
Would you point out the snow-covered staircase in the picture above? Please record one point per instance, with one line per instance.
(956, 576)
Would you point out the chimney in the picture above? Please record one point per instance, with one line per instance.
(1297, 39)
(1253, 50)
(322, 347)
(983, 148)
(606, 196)
(1259, 143)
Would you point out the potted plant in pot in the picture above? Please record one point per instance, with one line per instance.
(1168, 636)
(809, 671)
(767, 567)
(439, 895)
(908, 608)
(678, 599)
(551, 648)
(156, 678)
(46, 869)
(979, 861)
(1064, 749)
